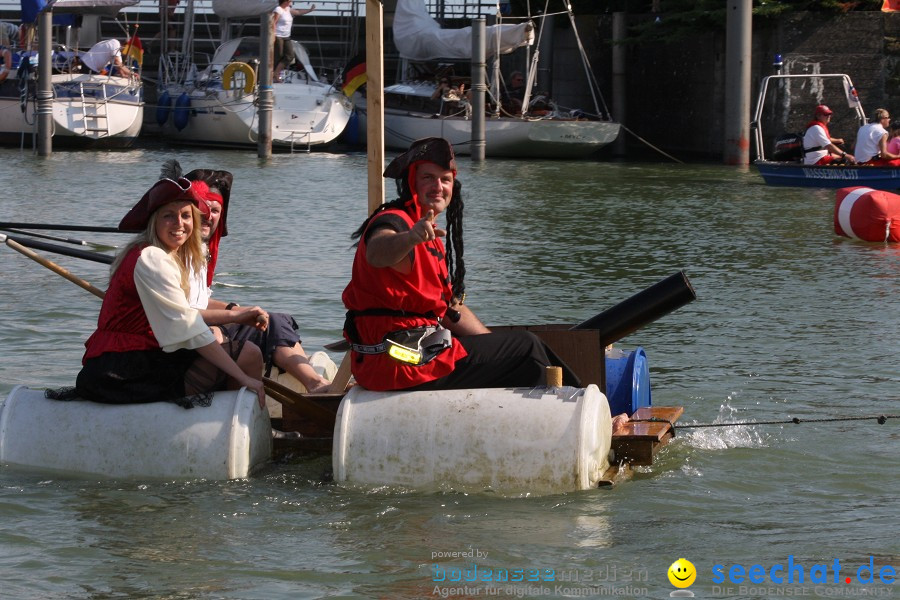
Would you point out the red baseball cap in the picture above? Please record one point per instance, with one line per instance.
(823, 110)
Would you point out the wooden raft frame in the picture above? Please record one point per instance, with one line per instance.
(309, 418)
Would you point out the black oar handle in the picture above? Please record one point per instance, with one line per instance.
(641, 309)
(92, 228)
(94, 256)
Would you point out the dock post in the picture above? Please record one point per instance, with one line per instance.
(375, 102)
(739, 35)
(477, 143)
(619, 33)
(45, 84)
(264, 77)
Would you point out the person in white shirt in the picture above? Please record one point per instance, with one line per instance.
(872, 141)
(150, 345)
(283, 17)
(819, 148)
(279, 342)
(104, 54)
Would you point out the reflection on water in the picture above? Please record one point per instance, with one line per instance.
(789, 321)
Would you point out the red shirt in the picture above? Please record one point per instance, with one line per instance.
(426, 289)
(122, 325)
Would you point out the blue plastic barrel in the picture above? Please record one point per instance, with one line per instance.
(627, 380)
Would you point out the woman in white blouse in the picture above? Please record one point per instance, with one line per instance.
(150, 345)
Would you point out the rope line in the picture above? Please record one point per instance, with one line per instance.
(880, 419)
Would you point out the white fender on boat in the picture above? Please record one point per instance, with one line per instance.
(866, 214)
(232, 69)
(226, 440)
(509, 440)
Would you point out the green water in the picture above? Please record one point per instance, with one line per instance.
(790, 321)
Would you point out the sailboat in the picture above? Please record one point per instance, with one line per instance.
(91, 109)
(540, 129)
(218, 105)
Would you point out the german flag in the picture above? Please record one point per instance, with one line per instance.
(133, 52)
(354, 74)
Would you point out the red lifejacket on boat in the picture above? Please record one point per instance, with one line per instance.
(122, 325)
(866, 214)
(423, 294)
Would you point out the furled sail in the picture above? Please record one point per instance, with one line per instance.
(417, 36)
(231, 9)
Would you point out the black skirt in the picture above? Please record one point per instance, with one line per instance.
(135, 377)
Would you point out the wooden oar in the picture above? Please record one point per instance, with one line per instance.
(51, 265)
(90, 228)
(85, 254)
(286, 395)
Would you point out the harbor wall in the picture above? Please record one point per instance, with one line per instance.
(675, 92)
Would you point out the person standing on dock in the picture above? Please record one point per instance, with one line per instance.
(819, 148)
(150, 345)
(283, 17)
(406, 321)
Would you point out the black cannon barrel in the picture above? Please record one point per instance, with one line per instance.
(643, 308)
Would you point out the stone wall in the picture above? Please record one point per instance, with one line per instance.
(675, 94)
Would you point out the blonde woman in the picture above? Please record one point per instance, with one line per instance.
(150, 345)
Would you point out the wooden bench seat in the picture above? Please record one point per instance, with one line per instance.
(639, 441)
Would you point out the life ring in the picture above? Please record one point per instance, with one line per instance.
(232, 69)
(866, 214)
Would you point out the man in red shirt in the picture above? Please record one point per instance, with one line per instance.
(406, 321)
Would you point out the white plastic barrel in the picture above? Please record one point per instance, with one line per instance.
(225, 440)
(319, 361)
(507, 440)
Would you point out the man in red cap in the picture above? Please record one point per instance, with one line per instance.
(819, 148)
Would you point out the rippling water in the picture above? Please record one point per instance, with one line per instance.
(789, 321)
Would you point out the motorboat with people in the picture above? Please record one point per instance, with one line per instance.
(101, 108)
(785, 166)
(536, 127)
(218, 105)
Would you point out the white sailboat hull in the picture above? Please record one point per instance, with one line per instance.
(504, 136)
(304, 116)
(87, 109)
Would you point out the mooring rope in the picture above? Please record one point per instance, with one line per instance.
(880, 419)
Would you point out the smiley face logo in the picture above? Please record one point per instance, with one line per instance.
(682, 573)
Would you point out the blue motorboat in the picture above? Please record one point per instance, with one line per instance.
(796, 174)
(785, 167)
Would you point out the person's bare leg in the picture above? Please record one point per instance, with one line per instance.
(294, 360)
(250, 361)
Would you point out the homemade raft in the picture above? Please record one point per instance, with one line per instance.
(536, 440)
(226, 440)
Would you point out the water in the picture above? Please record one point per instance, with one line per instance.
(789, 321)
